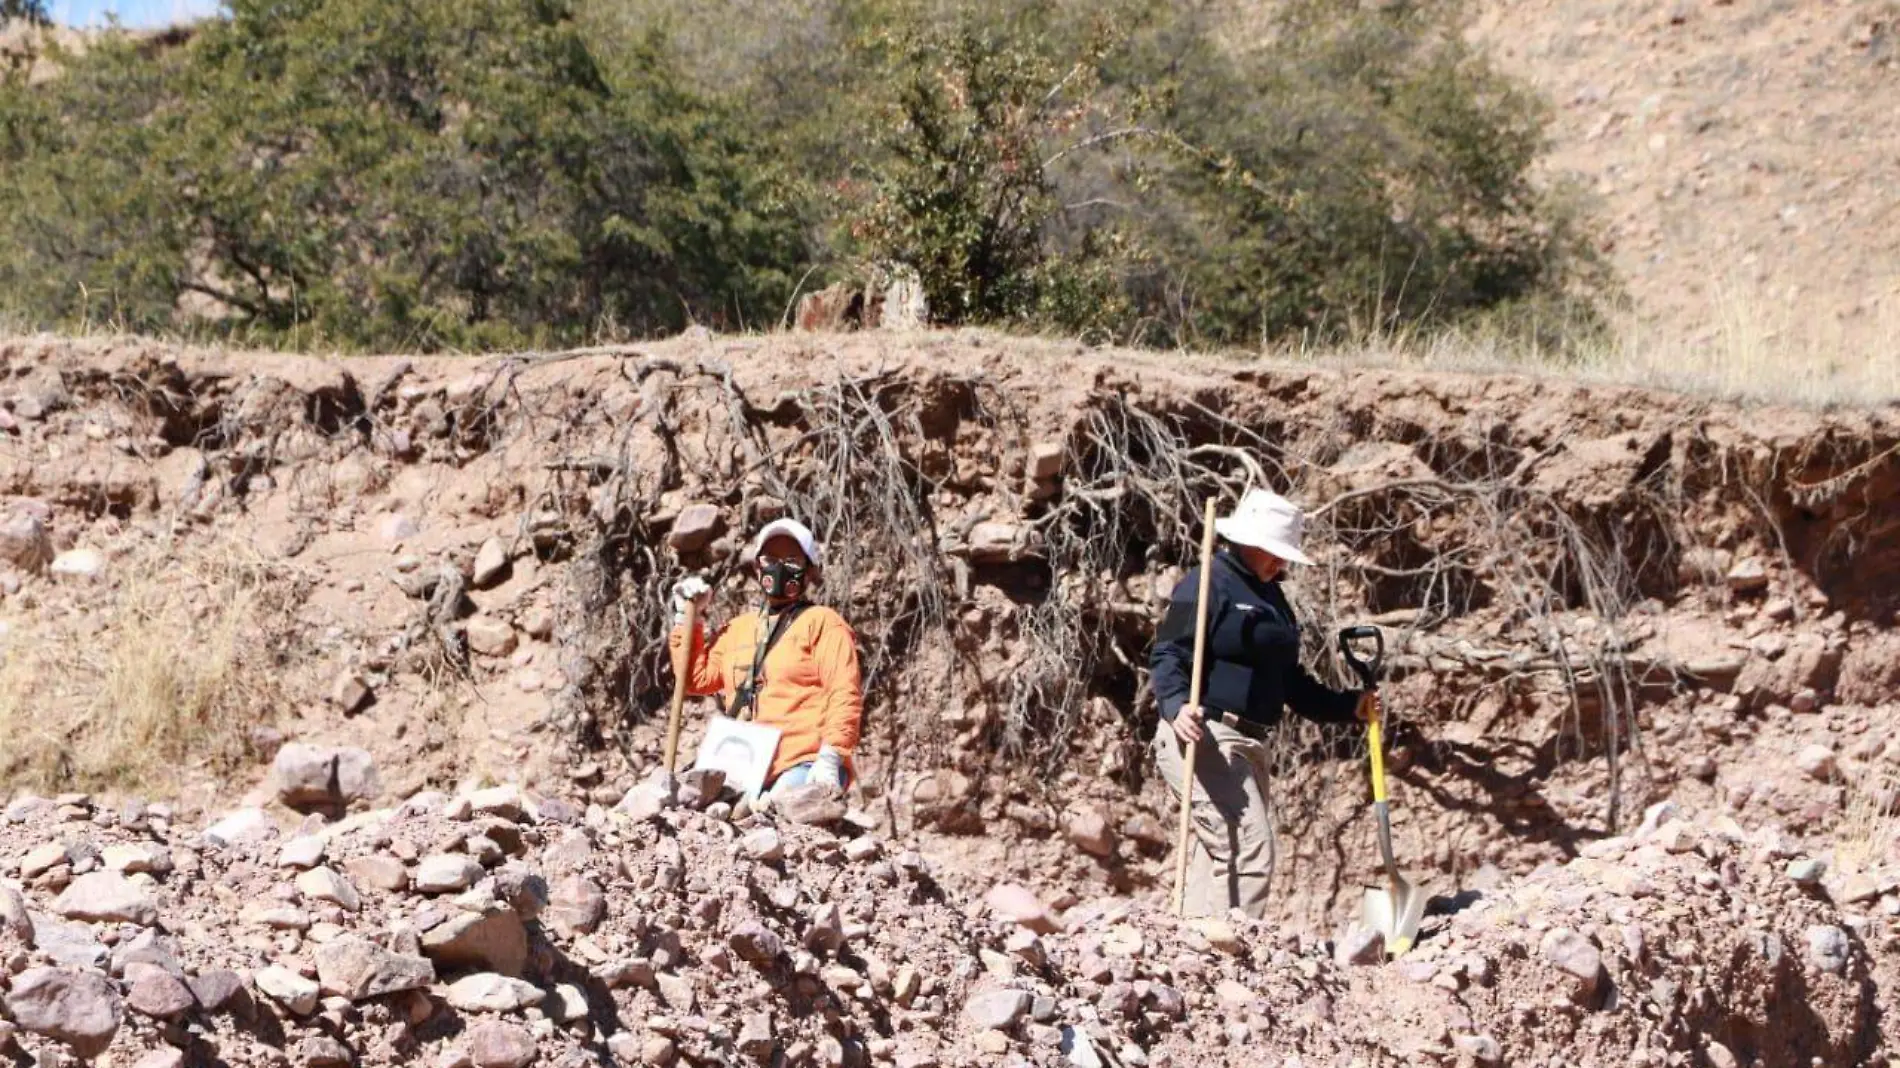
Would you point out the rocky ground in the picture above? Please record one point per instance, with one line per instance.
(499, 928)
(382, 634)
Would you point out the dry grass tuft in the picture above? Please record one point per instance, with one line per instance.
(1869, 834)
(167, 673)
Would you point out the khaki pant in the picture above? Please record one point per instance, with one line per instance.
(1230, 857)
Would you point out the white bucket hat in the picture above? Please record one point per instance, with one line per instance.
(1267, 521)
(792, 529)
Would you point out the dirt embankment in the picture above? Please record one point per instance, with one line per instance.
(1597, 599)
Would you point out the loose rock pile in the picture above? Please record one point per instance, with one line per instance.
(499, 929)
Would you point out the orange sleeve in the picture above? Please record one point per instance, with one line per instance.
(836, 651)
(706, 669)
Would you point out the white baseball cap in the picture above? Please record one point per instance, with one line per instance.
(793, 529)
(1265, 520)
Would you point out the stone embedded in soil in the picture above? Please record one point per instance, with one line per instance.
(322, 1051)
(79, 1008)
(1045, 460)
(1018, 904)
(356, 968)
(161, 1058)
(700, 787)
(503, 802)
(522, 890)
(378, 872)
(1219, 933)
(217, 989)
(763, 844)
(1807, 871)
(577, 908)
(79, 563)
(244, 825)
(812, 804)
(1089, 830)
(288, 989)
(493, 1044)
(1576, 957)
(697, 526)
(24, 543)
(161, 995)
(135, 859)
(106, 897)
(1816, 762)
(447, 873)
(491, 637)
(1481, 1048)
(755, 944)
(1749, 575)
(305, 776)
(493, 939)
(351, 693)
(490, 561)
(324, 884)
(996, 1010)
(15, 923)
(678, 993)
(1359, 945)
(1829, 948)
(42, 859)
(489, 992)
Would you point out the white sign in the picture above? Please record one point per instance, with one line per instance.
(741, 749)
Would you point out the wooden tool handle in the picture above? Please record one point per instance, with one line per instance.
(1191, 751)
(682, 670)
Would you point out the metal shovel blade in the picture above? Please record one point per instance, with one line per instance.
(1395, 913)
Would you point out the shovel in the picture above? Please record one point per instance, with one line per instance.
(1394, 912)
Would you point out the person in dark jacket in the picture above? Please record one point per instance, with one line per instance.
(1252, 677)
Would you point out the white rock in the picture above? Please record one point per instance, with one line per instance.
(305, 851)
(446, 873)
(324, 884)
(79, 563)
(288, 989)
(489, 992)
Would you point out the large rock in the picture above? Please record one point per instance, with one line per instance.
(24, 542)
(447, 873)
(106, 897)
(15, 925)
(219, 990)
(324, 884)
(1578, 959)
(492, 1044)
(755, 944)
(1829, 948)
(1816, 762)
(1020, 905)
(79, 563)
(244, 825)
(380, 872)
(697, 526)
(488, 992)
(288, 989)
(71, 944)
(577, 908)
(308, 776)
(79, 1008)
(491, 561)
(811, 804)
(160, 995)
(356, 968)
(490, 637)
(493, 940)
(996, 1010)
(1088, 829)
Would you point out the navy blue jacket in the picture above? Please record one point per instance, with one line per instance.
(1253, 652)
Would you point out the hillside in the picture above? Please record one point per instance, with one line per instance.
(1742, 155)
(334, 682)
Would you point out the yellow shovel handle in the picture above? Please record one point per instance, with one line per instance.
(1374, 742)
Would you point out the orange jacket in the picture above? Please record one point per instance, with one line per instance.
(811, 691)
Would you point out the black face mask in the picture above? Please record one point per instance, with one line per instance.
(783, 578)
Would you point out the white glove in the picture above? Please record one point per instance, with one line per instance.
(686, 590)
(828, 769)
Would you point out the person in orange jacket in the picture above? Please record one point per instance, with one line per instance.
(807, 684)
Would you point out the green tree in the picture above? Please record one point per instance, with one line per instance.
(438, 174)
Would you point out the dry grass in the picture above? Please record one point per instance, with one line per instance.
(166, 672)
(1869, 834)
(1753, 349)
